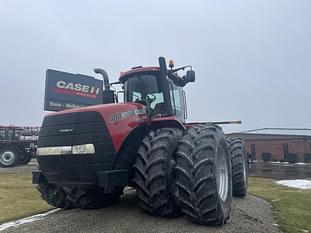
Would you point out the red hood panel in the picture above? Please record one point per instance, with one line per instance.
(120, 118)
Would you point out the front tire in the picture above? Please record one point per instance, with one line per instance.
(91, 198)
(203, 175)
(83, 198)
(154, 172)
(54, 195)
(9, 157)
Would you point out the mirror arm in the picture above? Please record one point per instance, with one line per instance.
(181, 68)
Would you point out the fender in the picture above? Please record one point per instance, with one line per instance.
(167, 122)
(125, 157)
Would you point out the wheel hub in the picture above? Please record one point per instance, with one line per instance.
(7, 158)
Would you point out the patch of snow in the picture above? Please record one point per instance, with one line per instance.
(274, 162)
(278, 199)
(257, 161)
(33, 218)
(299, 183)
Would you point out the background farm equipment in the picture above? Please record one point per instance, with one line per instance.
(18, 144)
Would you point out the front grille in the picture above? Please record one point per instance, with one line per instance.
(75, 129)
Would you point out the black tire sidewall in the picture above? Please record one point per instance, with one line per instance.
(196, 142)
(237, 173)
(26, 159)
(171, 208)
(54, 195)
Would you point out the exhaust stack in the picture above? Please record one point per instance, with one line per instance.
(105, 77)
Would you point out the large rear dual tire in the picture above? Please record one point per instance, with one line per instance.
(201, 181)
(239, 163)
(154, 177)
(203, 175)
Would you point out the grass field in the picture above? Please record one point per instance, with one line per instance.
(291, 207)
(18, 197)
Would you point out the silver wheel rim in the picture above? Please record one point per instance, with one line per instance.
(244, 170)
(222, 174)
(7, 158)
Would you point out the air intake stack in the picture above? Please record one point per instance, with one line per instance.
(108, 95)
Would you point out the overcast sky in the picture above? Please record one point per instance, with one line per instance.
(252, 58)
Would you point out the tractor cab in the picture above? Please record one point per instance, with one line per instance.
(159, 89)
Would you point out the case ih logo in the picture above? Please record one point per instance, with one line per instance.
(65, 130)
(79, 89)
(65, 90)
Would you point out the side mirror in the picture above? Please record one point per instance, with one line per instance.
(190, 76)
(120, 96)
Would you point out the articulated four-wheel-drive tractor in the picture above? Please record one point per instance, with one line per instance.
(88, 155)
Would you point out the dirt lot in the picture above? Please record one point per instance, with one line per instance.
(250, 214)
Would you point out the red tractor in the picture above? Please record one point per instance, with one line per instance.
(88, 155)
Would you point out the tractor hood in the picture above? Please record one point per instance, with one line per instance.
(119, 118)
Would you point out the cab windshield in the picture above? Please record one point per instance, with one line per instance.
(140, 87)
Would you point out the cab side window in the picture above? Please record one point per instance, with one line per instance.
(177, 101)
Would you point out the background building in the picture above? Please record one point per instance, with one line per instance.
(267, 145)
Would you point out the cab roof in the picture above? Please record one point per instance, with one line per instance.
(137, 70)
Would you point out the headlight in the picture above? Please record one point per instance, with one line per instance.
(65, 150)
(83, 149)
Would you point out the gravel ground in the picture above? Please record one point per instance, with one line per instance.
(249, 214)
